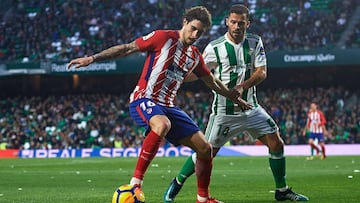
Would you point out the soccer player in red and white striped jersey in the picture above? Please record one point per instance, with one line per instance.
(168, 63)
(315, 124)
(171, 58)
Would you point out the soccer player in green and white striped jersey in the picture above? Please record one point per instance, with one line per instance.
(233, 63)
(238, 59)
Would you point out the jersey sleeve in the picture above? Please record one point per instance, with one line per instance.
(209, 54)
(322, 119)
(150, 41)
(201, 69)
(260, 56)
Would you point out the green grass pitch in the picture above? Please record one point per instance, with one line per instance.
(234, 179)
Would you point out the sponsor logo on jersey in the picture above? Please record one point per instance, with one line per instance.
(262, 51)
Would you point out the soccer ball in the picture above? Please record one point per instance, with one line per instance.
(128, 194)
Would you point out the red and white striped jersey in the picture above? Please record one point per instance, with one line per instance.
(168, 63)
(315, 122)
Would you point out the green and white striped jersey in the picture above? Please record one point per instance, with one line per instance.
(235, 64)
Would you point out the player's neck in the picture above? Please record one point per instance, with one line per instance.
(233, 40)
(181, 39)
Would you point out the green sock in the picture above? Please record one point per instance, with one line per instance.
(312, 151)
(277, 165)
(187, 170)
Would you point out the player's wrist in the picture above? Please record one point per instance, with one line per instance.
(93, 58)
(244, 86)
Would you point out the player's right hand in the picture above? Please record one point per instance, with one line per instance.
(80, 62)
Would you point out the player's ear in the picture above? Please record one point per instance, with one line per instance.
(227, 21)
(185, 21)
(248, 24)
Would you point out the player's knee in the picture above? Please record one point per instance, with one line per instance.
(205, 150)
(165, 126)
(280, 144)
(161, 126)
(276, 145)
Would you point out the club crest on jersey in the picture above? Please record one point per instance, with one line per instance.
(149, 110)
(146, 37)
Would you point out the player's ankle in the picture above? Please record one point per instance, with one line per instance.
(201, 199)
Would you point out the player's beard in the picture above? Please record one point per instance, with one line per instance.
(189, 42)
(237, 35)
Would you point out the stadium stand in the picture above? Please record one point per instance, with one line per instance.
(303, 24)
(102, 120)
(63, 29)
(353, 41)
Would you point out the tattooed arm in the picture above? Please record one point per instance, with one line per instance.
(110, 53)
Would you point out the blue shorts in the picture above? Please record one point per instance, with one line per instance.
(182, 125)
(318, 136)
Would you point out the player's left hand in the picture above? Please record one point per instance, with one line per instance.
(237, 92)
(243, 104)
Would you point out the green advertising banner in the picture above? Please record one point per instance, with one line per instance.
(134, 63)
(102, 67)
(130, 64)
(127, 65)
(281, 59)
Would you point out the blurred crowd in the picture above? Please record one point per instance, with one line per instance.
(353, 41)
(58, 30)
(308, 24)
(341, 108)
(102, 120)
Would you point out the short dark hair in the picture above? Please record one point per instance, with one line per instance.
(198, 13)
(239, 9)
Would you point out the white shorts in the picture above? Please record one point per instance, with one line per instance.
(221, 128)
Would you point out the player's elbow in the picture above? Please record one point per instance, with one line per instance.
(191, 78)
(209, 81)
(263, 75)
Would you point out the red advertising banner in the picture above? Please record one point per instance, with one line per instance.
(9, 153)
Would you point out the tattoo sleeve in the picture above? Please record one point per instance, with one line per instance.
(116, 52)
